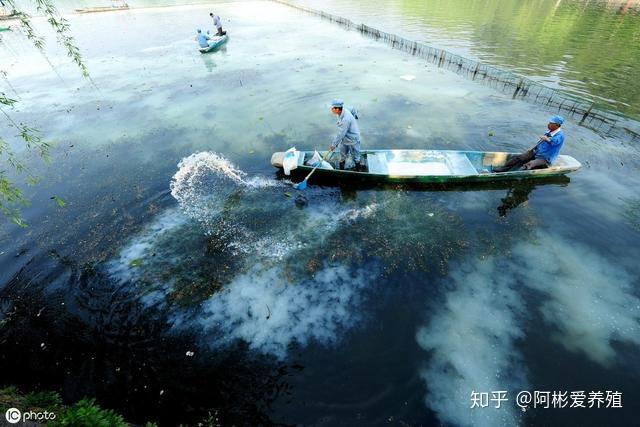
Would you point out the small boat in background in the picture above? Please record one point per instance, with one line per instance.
(114, 6)
(214, 43)
(6, 16)
(427, 166)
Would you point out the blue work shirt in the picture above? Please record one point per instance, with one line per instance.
(348, 131)
(203, 40)
(550, 150)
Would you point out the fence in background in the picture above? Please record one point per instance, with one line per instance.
(582, 110)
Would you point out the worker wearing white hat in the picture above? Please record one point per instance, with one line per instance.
(348, 136)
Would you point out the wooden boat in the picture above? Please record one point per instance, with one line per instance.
(214, 43)
(427, 166)
(5, 17)
(124, 6)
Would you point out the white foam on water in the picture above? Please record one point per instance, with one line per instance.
(472, 340)
(271, 302)
(590, 300)
(162, 48)
(263, 182)
(141, 246)
(310, 229)
(269, 312)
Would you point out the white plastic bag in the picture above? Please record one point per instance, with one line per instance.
(314, 160)
(290, 160)
(317, 161)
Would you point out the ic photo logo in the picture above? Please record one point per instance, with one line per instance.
(13, 415)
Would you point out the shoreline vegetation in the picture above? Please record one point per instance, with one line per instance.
(85, 412)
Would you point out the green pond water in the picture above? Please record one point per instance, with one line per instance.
(589, 49)
(181, 279)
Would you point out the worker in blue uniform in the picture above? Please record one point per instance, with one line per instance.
(203, 39)
(348, 136)
(543, 154)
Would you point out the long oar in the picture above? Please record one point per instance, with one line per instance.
(302, 185)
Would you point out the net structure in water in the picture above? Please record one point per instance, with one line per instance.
(585, 111)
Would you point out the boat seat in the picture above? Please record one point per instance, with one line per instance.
(460, 164)
(377, 163)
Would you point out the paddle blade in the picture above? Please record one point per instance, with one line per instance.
(301, 185)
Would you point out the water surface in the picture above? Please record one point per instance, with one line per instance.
(181, 279)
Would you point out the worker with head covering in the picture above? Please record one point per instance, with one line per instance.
(348, 136)
(203, 39)
(543, 154)
(218, 24)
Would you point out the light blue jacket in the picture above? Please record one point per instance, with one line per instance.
(348, 130)
(202, 40)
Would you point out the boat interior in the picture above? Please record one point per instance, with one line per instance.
(432, 163)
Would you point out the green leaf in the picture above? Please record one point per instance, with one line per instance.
(135, 262)
(59, 201)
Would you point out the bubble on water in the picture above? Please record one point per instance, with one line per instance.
(587, 302)
(132, 256)
(590, 300)
(263, 182)
(472, 339)
(269, 310)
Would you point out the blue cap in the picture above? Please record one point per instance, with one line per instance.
(337, 103)
(557, 120)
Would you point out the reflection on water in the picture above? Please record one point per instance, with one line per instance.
(182, 274)
(552, 42)
(472, 338)
(515, 196)
(475, 335)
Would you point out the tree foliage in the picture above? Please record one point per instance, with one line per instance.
(11, 197)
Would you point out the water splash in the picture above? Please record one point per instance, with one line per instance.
(264, 260)
(191, 168)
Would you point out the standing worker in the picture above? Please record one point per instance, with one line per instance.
(217, 24)
(348, 136)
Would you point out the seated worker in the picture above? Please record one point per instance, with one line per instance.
(543, 154)
(217, 24)
(348, 136)
(203, 39)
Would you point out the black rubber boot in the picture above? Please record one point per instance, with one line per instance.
(341, 166)
(358, 167)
